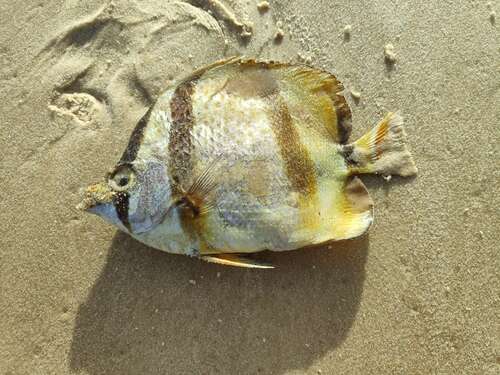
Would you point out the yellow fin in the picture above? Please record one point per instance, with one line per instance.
(382, 150)
(355, 211)
(349, 216)
(314, 79)
(322, 94)
(316, 94)
(234, 260)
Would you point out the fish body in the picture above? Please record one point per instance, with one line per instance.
(244, 156)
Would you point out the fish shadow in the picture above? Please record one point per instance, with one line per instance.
(154, 313)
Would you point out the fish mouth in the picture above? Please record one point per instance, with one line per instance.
(95, 195)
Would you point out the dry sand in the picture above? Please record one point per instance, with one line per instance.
(419, 295)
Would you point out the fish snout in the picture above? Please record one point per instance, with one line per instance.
(95, 195)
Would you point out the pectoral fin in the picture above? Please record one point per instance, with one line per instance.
(234, 260)
(198, 199)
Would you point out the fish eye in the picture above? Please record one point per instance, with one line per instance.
(123, 181)
(122, 178)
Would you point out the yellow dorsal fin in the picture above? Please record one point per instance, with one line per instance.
(318, 91)
(312, 93)
(234, 260)
(321, 93)
(308, 78)
(314, 80)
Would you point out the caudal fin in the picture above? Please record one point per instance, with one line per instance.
(382, 150)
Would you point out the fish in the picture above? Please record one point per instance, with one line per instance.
(243, 156)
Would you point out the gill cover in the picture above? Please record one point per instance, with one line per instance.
(134, 197)
(142, 194)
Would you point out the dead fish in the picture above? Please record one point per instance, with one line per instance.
(243, 156)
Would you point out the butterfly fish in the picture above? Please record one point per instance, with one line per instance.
(243, 156)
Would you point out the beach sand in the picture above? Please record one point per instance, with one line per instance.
(418, 295)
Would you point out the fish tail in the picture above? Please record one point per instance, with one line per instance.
(382, 150)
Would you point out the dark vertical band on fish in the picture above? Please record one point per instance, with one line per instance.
(180, 149)
(299, 166)
(120, 201)
(347, 151)
(130, 153)
(343, 119)
(180, 144)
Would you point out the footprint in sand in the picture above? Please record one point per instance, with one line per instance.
(82, 108)
(118, 59)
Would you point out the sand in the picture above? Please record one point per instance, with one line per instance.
(418, 295)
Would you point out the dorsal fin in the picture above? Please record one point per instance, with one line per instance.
(318, 91)
(321, 92)
(314, 80)
(217, 64)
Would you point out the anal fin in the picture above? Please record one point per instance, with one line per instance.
(234, 260)
(355, 213)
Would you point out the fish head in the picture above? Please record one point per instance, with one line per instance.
(134, 197)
